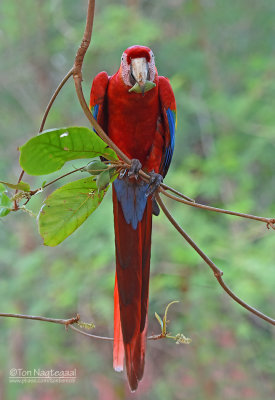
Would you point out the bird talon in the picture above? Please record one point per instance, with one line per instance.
(122, 173)
(134, 169)
(155, 208)
(155, 181)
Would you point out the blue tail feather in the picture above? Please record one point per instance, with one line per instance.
(132, 198)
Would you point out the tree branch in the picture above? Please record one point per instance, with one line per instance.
(45, 116)
(77, 75)
(269, 221)
(217, 272)
(90, 334)
(54, 96)
(66, 322)
(69, 323)
(111, 339)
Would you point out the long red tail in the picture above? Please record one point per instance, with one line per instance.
(133, 250)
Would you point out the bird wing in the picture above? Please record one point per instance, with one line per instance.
(169, 115)
(98, 98)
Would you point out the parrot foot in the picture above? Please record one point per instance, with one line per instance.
(155, 181)
(134, 169)
(155, 206)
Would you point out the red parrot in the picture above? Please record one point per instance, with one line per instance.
(137, 110)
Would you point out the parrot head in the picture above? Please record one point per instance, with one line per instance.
(138, 69)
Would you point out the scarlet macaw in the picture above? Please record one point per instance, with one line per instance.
(137, 110)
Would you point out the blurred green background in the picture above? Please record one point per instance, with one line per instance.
(219, 56)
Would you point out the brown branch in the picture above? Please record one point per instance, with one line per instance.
(49, 106)
(33, 192)
(217, 272)
(69, 323)
(77, 75)
(165, 187)
(90, 334)
(66, 322)
(153, 337)
(54, 96)
(268, 221)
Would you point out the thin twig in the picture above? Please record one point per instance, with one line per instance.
(111, 339)
(54, 96)
(90, 334)
(217, 272)
(164, 186)
(32, 192)
(69, 323)
(49, 106)
(77, 75)
(66, 322)
(268, 221)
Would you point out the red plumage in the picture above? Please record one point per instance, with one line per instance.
(142, 126)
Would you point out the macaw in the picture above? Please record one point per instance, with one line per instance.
(137, 110)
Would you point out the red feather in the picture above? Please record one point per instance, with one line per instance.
(136, 52)
(132, 271)
(118, 348)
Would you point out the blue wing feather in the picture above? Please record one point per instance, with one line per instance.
(171, 117)
(95, 109)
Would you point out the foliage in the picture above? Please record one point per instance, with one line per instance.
(219, 57)
(5, 202)
(67, 208)
(49, 151)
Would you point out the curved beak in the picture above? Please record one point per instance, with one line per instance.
(139, 70)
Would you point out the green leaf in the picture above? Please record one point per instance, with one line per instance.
(67, 208)
(49, 151)
(5, 202)
(25, 187)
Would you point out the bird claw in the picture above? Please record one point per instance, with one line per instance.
(155, 208)
(122, 173)
(134, 169)
(155, 182)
